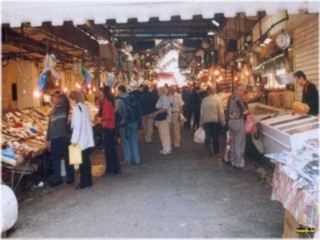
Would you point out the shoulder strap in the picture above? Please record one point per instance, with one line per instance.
(79, 108)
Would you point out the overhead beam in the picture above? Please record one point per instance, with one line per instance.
(73, 35)
(99, 30)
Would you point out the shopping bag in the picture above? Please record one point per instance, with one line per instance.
(250, 125)
(182, 117)
(199, 135)
(75, 156)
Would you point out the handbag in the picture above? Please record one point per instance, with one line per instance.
(75, 154)
(250, 125)
(161, 116)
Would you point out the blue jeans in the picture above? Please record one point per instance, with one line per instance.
(59, 147)
(129, 137)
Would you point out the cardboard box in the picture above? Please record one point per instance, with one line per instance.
(290, 226)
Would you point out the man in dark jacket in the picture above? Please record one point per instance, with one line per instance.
(310, 94)
(57, 139)
(148, 102)
(187, 108)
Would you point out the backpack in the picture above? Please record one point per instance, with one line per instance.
(132, 112)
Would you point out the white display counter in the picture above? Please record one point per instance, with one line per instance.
(285, 132)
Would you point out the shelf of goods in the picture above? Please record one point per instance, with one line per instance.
(253, 96)
(279, 130)
(249, 97)
(25, 130)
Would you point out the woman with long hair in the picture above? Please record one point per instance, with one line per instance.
(109, 130)
(82, 134)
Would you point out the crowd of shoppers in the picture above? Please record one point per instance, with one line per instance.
(162, 107)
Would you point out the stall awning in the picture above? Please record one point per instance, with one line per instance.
(15, 13)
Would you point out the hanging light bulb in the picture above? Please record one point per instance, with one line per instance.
(36, 93)
(216, 72)
(89, 85)
(78, 85)
(65, 90)
(94, 89)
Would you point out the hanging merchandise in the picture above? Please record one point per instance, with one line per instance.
(50, 62)
(86, 76)
(136, 56)
(205, 45)
(77, 66)
(128, 48)
(42, 82)
(110, 80)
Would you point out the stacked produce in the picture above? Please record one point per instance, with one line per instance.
(259, 108)
(24, 132)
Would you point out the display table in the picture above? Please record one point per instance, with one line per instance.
(300, 203)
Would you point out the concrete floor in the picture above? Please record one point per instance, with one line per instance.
(184, 195)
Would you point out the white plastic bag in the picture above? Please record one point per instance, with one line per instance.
(199, 135)
(183, 119)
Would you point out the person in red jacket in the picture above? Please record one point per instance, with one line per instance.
(108, 126)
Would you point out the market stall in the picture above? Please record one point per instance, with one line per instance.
(295, 185)
(24, 139)
(280, 130)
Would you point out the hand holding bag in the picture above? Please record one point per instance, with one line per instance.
(199, 135)
(75, 154)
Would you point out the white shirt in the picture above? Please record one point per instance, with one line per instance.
(176, 101)
(82, 132)
(163, 102)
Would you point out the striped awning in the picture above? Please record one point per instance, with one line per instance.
(56, 12)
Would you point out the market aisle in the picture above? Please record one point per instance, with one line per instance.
(183, 195)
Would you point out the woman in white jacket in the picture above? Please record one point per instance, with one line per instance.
(82, 134)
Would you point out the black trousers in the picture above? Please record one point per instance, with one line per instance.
(196, 119)
(110, 151)
(211, 141)
(187, 112)
(59, 147)
(85, 169)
